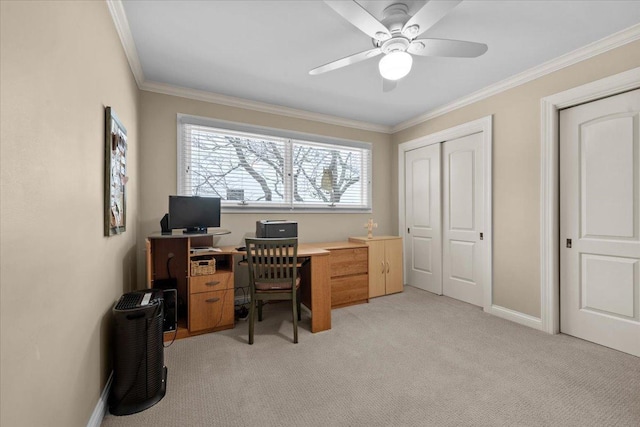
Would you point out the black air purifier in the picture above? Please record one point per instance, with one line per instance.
(139, 375)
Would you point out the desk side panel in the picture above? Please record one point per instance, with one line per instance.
(320, 293)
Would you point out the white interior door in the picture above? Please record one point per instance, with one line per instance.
(599, 213)
(422, 213)
(463, 211)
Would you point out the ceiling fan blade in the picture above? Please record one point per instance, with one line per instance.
(358, 16)
(352, 59)
(444, 47)
(388, 85)
(428, 16)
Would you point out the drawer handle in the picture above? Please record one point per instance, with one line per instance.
(215, 282)
(212, 300)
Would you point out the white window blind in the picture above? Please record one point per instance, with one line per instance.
(250, 170)
(330, 175)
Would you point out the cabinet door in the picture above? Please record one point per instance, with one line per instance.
(377, 269)
(393, 264)
(209, 310)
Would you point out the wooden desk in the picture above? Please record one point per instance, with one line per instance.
(209, 299)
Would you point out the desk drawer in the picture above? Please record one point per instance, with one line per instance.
(209, 310)
(345, 262)
(349, 290)
(210, 282)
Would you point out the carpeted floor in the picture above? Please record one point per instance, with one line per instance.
(410, 359)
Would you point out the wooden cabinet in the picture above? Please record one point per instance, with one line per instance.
(349, 276)
(385, 264)
(205, 301)
(211, 301)
(348, 272)
(211, 310)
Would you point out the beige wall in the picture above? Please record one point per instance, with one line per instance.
(62, 63)
(516, 170)
(158, 170)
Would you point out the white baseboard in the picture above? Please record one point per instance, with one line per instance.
(516, 316)
(101, 407)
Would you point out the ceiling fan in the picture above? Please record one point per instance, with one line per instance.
(396, 37)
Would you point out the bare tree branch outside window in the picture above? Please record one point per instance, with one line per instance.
(252, 169)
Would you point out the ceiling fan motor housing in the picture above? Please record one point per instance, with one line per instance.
(395, 44)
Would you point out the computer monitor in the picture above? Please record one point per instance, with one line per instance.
(193, 213)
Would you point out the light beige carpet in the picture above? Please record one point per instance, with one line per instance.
(411, 359)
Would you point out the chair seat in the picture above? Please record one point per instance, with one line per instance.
(275, 286)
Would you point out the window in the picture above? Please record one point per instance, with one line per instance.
(259, 168)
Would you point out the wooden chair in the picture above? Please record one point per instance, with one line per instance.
(273, 275)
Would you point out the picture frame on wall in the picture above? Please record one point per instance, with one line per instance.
(115, 173)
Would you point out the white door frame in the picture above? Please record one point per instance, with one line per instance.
(549, 184)
(485, 126)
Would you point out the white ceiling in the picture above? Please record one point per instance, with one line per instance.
(262, 50)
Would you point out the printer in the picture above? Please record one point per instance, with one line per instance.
(276, 228)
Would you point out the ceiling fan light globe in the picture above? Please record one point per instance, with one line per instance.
(395, 65)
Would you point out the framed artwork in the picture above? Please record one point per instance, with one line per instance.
(115, 175)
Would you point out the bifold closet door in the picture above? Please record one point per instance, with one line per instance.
(423, 240)
(463, 211)
(600, 222)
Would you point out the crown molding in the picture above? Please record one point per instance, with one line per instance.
(230, 101)
(613, 41)
(126, 38)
